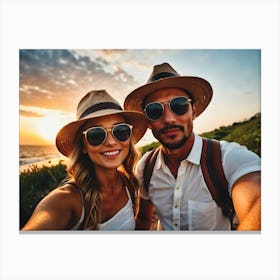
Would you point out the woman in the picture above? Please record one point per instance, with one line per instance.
(100, 192)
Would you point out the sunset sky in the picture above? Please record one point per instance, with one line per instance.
(52, 81)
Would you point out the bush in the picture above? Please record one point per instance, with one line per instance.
(35, 183)
(149, 147)
(246, 133)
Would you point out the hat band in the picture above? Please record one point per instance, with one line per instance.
(100, 106)
(162, 75)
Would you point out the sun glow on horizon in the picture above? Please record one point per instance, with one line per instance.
(43, 129)
(48, 126)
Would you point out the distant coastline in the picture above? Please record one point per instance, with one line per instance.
(38, 155)
(39, 164)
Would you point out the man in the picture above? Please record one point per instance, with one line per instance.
(177, 187)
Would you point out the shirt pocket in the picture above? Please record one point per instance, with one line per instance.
(202, 215)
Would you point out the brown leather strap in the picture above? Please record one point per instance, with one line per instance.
(205, 172)
(212, 161)
(149, 167)
(217, 160)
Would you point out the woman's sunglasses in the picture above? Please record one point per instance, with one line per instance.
(96, 136)
(179, 106)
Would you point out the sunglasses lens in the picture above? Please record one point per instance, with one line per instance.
(179, 105)
(122, 132)
(96, 136)
(154, 111)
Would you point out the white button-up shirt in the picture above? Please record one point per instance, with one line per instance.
(185, 203)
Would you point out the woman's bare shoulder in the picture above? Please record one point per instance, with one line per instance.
(58, 210)
(66, 196)
(69, 189)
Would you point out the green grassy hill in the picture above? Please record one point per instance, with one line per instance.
(247, 133)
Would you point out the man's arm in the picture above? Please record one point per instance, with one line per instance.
(246, 196)
(145, 214)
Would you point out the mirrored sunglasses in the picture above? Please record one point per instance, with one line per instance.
(178, 106)
(97, 135)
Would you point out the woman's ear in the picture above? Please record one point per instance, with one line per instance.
(85, 150)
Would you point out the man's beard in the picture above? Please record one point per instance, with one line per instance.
(172, 146)
(177, 145)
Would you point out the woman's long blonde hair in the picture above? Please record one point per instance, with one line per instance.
(82, 173)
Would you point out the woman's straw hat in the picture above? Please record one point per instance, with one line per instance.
(98, 103)
(164, 76)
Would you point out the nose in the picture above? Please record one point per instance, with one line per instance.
(110, 139)
(168, 116)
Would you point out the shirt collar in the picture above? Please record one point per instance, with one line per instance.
(193, 157)
(195, 154)
(160, 160)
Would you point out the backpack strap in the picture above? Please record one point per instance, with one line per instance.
(214, 176)
(149, 167)
(212, 170)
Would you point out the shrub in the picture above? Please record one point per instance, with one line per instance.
(35, 183)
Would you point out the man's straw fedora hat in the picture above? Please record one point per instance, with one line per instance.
(164, 76)
(98, 103)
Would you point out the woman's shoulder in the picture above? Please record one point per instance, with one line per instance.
(66, 195)
(69, 189)
(70, 193)
(60, 209)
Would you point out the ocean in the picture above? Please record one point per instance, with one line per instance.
(33, 154)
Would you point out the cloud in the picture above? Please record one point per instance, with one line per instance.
(25, 113)
(122, 75)
(113, 53)
(56, 79)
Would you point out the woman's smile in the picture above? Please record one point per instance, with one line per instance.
(111, 154)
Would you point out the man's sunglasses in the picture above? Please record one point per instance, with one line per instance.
(97, 135)
(178, 105)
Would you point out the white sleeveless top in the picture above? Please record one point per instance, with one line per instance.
(122, 220)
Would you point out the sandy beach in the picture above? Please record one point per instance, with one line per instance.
(49, 162)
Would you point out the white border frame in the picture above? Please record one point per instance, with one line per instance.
(112, 24)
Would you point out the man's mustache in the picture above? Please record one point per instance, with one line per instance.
(164, 129)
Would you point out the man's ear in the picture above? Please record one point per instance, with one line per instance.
(194, 111)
